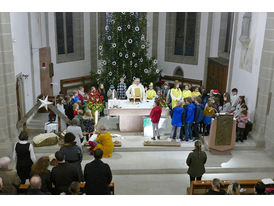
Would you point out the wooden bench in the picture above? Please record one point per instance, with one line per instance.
(74, 83)
(201, 187)
(162, 143)
(24, 187)
(193, 82)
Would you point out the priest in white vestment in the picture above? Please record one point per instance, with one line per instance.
(136, 90)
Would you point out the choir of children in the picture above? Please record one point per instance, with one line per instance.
(192, 110)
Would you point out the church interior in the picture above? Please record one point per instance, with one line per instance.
(45, 55)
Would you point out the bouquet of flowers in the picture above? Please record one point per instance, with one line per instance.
(94, 101)
(162, 101)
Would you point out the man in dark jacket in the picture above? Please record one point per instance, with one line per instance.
(216, 188)
(63, 174)
(97, 176)
(35, 186)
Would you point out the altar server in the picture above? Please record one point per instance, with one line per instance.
(176, 94)
(151, 92)
(136, 90)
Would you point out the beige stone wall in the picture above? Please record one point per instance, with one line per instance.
(8, 106)
(264, 117)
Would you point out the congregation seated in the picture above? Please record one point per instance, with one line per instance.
(35, 186)
(40, 168)
(97, 175)
(233, 189)
(63, 174)
(74, 188)
(259, 188)
(10, 179)
(216, 188)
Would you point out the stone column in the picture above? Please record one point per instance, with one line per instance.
(263, 130)
(8, 105)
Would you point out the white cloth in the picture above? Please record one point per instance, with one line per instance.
(32, 155)
(131, 91)
(77, 131)
(126, 104)
(61, 108)
(51, 127)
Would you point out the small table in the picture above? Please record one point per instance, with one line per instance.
(130, 115)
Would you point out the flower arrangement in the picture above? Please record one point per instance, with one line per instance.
(162, 101)
(94, 101)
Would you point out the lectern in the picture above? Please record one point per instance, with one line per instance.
(222, 135)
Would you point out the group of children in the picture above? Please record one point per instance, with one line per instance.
(193, 109)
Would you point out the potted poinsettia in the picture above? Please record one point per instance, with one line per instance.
(94, 102)
(162, 100)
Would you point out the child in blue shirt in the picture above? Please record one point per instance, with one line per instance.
(177, 120)
(190, 112)
(198, 117)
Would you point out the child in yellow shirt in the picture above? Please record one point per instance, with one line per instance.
(186, 92)
(151, 92)
(196, 92)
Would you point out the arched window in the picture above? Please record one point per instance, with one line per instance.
(178, 71)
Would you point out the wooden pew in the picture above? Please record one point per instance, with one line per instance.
(201, 187)
(193, 82)
(24, 187)
(75, 83)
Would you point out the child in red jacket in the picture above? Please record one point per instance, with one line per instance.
(155, 116)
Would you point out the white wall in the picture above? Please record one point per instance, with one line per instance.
(215, 34)
(190, 71)
(69, 69)
(247, 82)
(28, 37)
(22, 53)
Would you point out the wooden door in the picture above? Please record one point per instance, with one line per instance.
(45, 72)
(217, 74)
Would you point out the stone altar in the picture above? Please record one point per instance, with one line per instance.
(131, 115)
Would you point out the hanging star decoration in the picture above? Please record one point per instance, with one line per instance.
(45, 103)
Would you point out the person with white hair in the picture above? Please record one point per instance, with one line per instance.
(35, 186)
(75, 129)
(10, 179)
(136, 90)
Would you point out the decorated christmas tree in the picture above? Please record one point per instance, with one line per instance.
(123, 51)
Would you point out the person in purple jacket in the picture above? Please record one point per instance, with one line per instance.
(190, 112)
(198, 117)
